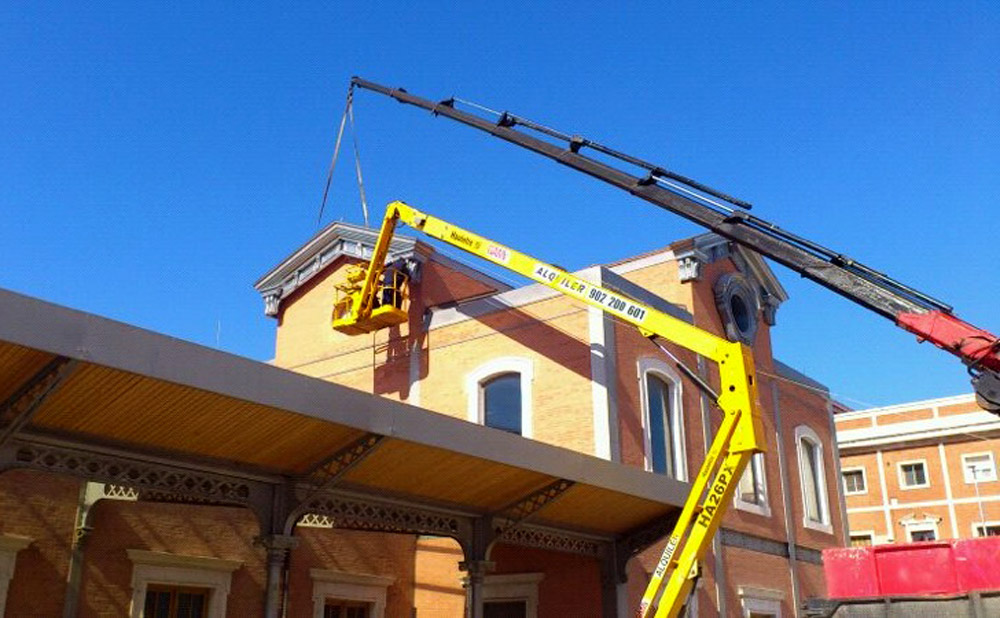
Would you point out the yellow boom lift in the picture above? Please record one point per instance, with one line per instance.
(379, 301)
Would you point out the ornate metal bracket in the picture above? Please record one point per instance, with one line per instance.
(20, 407)
(517, 513)
(333, 468)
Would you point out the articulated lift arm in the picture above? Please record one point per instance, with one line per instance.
(914, 311)
(739, 437)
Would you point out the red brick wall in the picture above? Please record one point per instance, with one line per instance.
(42, 507)
(572, 584)
(369, 553)
(184, 529)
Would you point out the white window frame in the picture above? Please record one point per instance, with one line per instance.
(853, 533)
(899, 471)
(160, 568)
(9, 546)
(669, 375)
(804, 432)
(965, 468)
(344, 586)
(760, 600)
(514, 587)
(758, 466)
(498, 366)
(864, 479)
(921, 526)
(977, 524)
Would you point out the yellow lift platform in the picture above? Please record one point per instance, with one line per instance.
(377, 297)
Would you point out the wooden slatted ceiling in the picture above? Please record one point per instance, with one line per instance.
(125, 407)
(404, 467)
(17, 365)
(593, 508)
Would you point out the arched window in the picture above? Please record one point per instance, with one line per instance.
(499, 394)
(663, 429)
(812, 473)
(501, 402)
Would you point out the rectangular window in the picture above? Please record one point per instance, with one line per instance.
(175, 602)
(861, 539)
(661, 437)
(913, 474)
(987, 529)
(505, 609)
(979, 468)
(751, 492)
(854, 481)
(811, 473)
(345, 609)
(922, 534)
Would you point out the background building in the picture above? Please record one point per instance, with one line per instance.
(920, 471)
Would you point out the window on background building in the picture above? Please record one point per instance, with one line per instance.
(346, 609)
(854, 481)
(175, 602)
(862, 539)
(913, 474)
(751, 493)
(662, 419)
(924, 532)
(979, 468)
(986, 529)
(813, 476)
(501, 401)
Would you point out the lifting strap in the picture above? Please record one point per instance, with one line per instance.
(348, 115)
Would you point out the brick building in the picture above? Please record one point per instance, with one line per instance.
(920, 471)
(581, 380)
(144, 476)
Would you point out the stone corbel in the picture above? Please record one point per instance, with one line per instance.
(689, 264)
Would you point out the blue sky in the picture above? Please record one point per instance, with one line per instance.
(155, 160)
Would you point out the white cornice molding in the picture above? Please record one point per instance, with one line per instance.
(344, 577)
(341, 239)
(13, 543)
(925, 404)
(915, 431)
(157, 558)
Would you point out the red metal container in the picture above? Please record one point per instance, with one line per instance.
(936, 567)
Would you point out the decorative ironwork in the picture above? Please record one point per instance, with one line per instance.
(315, 520)
(120, 492)
(529, 536)
(132, 474)
(333, 468)
(20, 407)
(528, 506)
(641, 538)
(360, 515)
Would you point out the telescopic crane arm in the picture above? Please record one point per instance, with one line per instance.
(739, 436)
(926, 317)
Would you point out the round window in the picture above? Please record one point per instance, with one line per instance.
(737, 306)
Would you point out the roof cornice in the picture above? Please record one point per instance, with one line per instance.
(340, 239)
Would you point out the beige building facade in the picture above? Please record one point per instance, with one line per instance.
(920, 471)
